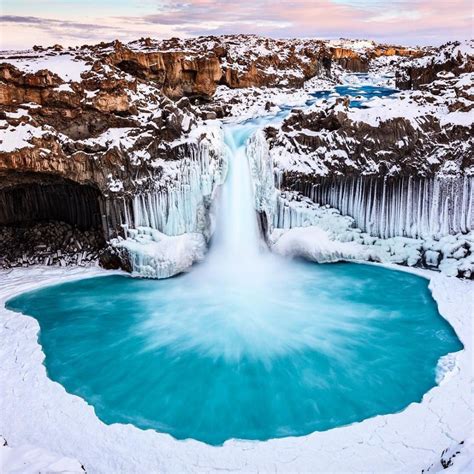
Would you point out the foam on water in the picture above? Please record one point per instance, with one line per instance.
(311, 348)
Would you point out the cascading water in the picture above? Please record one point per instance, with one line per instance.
(236, 239)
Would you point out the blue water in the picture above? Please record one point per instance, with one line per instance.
(358, 94)
(205, 358)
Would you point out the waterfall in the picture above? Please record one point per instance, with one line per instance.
(236, 240)
(238, 260)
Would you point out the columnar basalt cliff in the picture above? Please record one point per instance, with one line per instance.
(130, 129)
(401, 166)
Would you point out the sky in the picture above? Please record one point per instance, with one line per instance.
(75, 22)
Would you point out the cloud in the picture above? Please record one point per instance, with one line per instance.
(400, 21)
(403, 21)
(19, 32)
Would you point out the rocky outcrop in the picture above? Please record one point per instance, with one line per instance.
(424, 133)
(195, 67)
(98, 137)
(358, 60)
(174, 72)
(49, 243)
(450, 59)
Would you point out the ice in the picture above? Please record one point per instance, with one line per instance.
(408, 207)
(179, 207)
(156, 255)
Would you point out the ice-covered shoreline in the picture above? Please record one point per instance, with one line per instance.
(38, 412)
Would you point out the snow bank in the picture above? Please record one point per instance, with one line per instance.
(29, 459)
(66, 66)
(247, 103)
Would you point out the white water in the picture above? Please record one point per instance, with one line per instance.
(238, 259)
(237, 235)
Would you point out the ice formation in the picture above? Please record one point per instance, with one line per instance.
(181, 206)
(166, 229)
(153, 254)
(410, 221)
(449, 253)
(410, 207)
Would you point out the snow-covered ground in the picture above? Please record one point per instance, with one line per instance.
(35, 411)
(66, 66)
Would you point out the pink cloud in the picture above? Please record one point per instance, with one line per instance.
(398, 21)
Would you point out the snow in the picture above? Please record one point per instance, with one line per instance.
(66, 66)
(29, 459)
(420, 110)
(252, 102)
(15, 138)
(355, 45)
(456, 459)
(465, 119)
(379, 110)
(39, 412)
(65, 88)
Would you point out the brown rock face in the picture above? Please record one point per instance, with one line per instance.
(79, 167)
(172, 71)
(17, 87)
(358, 61)
(111, 102)
(447, 59)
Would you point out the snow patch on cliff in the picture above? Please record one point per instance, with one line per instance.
(15, 138)
(65, 65)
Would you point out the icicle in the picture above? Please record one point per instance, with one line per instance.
(413, 207)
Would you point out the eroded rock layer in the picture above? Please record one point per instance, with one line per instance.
(124, 136)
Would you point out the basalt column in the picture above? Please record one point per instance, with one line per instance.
(49, 220)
